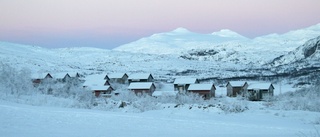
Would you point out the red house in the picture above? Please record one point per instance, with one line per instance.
(142, 87)
(205, 90)
(102, 91)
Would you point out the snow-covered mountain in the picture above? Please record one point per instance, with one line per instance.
(181, 40)
(221, 54)
(310, 51)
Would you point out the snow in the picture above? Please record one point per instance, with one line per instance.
(99, 87)
(116, 75)
(230, 46)
(140, 85)
(73, 74)
(59, 75)
(236, 58)
(158, 93)
(39, 75)
(94, 80)
(33, 121)
(200, 87)
(237, 83)
(139, 76)
(185, 80)
(259, 86)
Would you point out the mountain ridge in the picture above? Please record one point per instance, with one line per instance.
(184, 40)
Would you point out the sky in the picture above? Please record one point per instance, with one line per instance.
(111, 23)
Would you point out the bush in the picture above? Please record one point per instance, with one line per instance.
(304, 99)
(16, 86)
(235, 106)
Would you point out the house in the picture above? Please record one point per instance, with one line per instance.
(235, 88)
(95, 80)
(182, 84)
(89, 83)
(40, 77)
(260, 91)
(140, 77)
(120, 78)
(142, 87)
(102, 91)
(205, 90)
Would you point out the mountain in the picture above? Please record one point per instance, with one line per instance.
(228, 34)
(308, 52)
(181, 40)
(180, 52)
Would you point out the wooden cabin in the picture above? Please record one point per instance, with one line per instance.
(102, 91)
(142, 87)
(95, 80)
(120, 78)
(235, 88)
(182, 84)
(140, 77)
(205, 90)
(260, 91)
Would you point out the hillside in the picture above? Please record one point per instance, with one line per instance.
(228, 57)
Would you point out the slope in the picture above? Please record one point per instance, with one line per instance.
(30, 121)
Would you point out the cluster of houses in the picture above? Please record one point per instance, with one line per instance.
(103, 85)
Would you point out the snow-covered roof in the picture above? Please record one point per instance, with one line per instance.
(140, 85)
(185, 80)
(94, 80)
(60, 75)
(237, 83)
(73, 74)
(164, 93)
(259, 86)
(140, 76)
(94, 83)
(39, 75)
(200, 87)
(99, 87)
(95, 76)
(116, 75)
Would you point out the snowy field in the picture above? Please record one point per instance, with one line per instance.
(38, 121)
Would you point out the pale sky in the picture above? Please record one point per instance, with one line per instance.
(110, 23)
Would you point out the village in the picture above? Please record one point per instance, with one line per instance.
(105, 85)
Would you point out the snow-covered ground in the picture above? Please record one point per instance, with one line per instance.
(38, 121)
(236, 59)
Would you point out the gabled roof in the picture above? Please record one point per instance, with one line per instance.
(101, 88)
(260, 86)
(95, 76)
(201, 87)
(106, 77)
(94, 80)
(140, 85)
(237, 83)
(40, 75)
(185, 81)
(140, 76)
(60, 75)
(94, 83)
(117, 75)
(74, 74)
